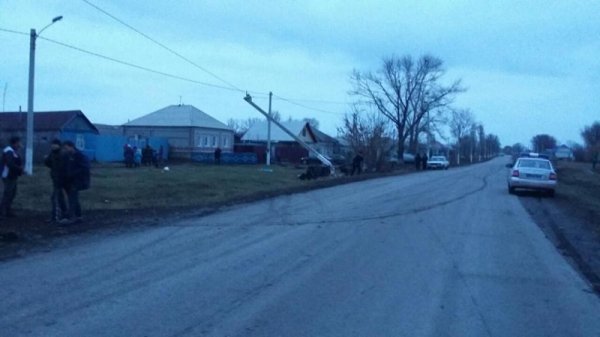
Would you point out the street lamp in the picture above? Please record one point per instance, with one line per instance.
(29, 148)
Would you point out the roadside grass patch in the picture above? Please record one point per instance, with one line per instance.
(580, 185)
(115, 187)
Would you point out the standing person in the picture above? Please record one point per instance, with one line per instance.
(128, 154)
(357, 163)
(160, 156)
(417, 161)
(218, 156)
(54, 161)
(424, 161)
(137, 156)
(76, 170)
(11, 170)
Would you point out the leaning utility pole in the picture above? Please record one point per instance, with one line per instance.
(321, 157)
(269, 131)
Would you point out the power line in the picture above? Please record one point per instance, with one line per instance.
(162, 45)
(306, 106)
(13, 31)
(129, 64)
(294, 101)
(105, 12)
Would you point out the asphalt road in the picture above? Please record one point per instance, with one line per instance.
(446, 253)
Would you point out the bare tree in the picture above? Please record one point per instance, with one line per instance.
(460, 125)
(240, 126)
(543, 142)
(405, 92)
(369, 134)
(591, 137)
(492, 145)
(481, 150)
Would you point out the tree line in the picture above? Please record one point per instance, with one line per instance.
(405, 106)
(588, 151)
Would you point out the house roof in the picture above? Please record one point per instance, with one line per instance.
(322, 137)
(106, 129)
(258, 131)
(178, 116)
(42, 121)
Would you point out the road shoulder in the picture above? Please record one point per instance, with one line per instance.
(571, 231)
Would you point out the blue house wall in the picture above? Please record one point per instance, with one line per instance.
(109, 148)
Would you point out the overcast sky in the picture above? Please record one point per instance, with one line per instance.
(529, 66)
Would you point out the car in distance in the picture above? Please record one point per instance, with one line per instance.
(532, 173)
(438, 162)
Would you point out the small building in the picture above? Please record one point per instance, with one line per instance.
(47, 125)
(563, 152)
(188, 130)
(285, 148)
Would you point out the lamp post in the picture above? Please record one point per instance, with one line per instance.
(29, 148)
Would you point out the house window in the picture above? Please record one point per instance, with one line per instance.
(205, 141)
(214, 141)
(224, 143)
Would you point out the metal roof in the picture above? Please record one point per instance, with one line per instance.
(42, 121)
(178, 116)
(258, 131)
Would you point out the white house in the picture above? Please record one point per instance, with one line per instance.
(188, 130)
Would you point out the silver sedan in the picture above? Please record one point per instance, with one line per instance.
(438, 162)
(532, 174)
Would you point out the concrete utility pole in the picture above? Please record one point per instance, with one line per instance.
(29, 141)
(321, 157)
(269, 131)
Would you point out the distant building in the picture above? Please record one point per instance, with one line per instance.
(109, 130)
(72, 124)
(563, 152)
(187, 129)
(284, 147)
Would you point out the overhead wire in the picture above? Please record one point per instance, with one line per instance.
(256, 94)
(162, 45)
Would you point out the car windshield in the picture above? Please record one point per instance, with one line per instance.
(438, 158)
(539, 164)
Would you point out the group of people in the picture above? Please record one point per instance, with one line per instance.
(136, 157)
(421, 161)
(69, 172)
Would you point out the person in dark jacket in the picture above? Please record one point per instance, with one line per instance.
(76, 173)
(357, 163)
(54, 160)
(218, 156)
(10, 170)
(418, 161)
(424, 161)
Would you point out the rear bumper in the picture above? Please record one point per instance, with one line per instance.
(532, 184)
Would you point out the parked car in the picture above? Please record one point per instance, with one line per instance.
(532, 174)
(407, 158)
(438, 162)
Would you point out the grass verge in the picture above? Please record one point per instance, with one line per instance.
(579, 184)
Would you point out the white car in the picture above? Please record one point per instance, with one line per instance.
(532, 174)
(438, 162)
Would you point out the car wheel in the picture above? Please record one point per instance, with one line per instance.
(551, 193)
(511, 190)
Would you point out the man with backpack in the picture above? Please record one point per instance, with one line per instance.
(55, 161)
(10, 170)
(76, 175)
